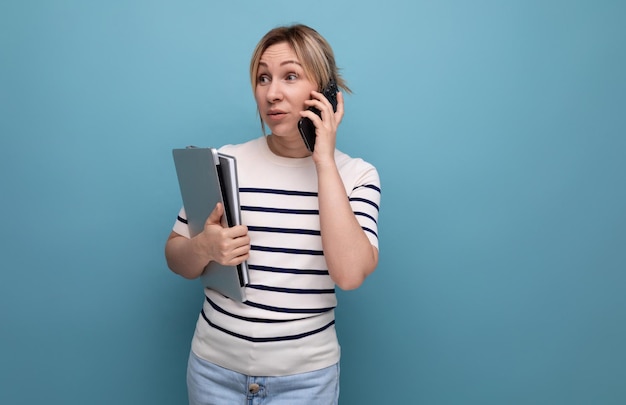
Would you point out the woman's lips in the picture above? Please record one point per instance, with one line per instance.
(276, 115)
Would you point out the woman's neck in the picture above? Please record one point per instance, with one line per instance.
(287, 147)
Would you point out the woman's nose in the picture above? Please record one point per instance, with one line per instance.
(274, 92)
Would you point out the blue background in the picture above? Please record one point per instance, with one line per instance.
(499, 131)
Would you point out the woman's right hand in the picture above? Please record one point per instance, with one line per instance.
(227, 246)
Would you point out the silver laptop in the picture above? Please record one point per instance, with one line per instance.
(206, 177)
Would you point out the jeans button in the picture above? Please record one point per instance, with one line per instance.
(253, 388)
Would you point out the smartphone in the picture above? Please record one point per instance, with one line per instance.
(305, 125)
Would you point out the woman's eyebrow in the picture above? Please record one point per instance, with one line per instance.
(287, 62)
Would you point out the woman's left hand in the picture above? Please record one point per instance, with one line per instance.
(325, 127)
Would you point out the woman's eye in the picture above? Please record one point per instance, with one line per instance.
(264, 79)
(292, 76)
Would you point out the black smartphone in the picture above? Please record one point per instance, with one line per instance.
(305, 125)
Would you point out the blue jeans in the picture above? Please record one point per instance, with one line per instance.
(209, 384)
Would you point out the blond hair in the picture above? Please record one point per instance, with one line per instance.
(313, 52)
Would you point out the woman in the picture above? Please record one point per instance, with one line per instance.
(310, 224)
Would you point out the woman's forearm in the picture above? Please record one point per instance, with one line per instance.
(181, 257)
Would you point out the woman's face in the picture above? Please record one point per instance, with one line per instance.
(282, 87)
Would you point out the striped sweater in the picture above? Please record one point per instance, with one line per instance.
(286, 326)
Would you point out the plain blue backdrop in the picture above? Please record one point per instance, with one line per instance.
(499, 131)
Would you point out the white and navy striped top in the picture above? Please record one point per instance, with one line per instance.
(286, 326)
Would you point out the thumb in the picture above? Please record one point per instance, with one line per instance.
(216, 215)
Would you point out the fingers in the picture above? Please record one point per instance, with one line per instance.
(325, 126)
(239, 253)
(320, 102)
(340, 110)
(227, 246)
(215, 217)
(231, 251)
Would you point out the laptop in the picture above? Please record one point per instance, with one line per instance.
(206, 177)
